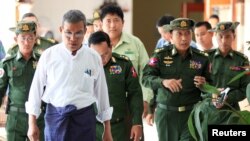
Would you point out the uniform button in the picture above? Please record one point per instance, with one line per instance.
(117, 119)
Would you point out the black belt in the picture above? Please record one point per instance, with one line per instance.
(172, 108)
(17, 109)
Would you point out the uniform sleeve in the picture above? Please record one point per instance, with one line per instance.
(37, 88)
(3, 81)
(143, 60)
(134, 92)
(151, 78)
(101, 92)
(238, 93)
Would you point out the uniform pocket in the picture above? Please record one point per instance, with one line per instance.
(16, 77)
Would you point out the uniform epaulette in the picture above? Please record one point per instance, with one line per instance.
(48, 40)
(159, 50)
(119, 56)
(200, 52)
(241, 54)
(13, 46)
(8, 57)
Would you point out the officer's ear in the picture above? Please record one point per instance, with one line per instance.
(15, 38)
(61, 29)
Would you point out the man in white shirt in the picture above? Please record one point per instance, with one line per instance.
(74, 80)
(203, 36)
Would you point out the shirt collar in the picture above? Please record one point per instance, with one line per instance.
(174, 51)
(124, 39)
(20, 56)
(217, 52)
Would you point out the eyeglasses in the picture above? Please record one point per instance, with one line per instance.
(29, 39)
(77, 35)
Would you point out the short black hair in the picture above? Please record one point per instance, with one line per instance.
(214, 16)
(29, 15)
(203, 23)
(111, 9)
(74, 16)
(163, 20)
(98, 37)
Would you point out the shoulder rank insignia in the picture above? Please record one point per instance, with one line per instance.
(203, 53)
(124, 57)
(34, 64)
(158, 50)
(115, 69)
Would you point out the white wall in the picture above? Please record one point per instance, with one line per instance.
(7, 20)
(50, 12)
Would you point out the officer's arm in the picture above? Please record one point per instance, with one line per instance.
(238, 93)
(151, 74)
(134, 91)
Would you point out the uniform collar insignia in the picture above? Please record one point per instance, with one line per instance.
(34, 64)
(38, 41)
(113, 59)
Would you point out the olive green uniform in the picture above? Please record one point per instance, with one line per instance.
(224, 69)
(173, 109)
(41, 44)
(16, 74)
(124, 93)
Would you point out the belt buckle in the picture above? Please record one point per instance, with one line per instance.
(182, 109)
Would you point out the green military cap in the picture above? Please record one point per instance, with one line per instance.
(225, 26)
(181, 23)
(166, 28)
(89, 21)
(96, 15)
(25, 27)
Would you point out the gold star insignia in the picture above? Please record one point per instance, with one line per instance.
(25, 27)
(183, 23)
(222, 27)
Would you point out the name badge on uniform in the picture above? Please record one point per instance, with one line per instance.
(195, 64)
(115, 69)
(34, 64)
(168, 60)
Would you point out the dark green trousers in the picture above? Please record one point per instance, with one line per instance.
(172, 125)
(119, 132)
(17, 126)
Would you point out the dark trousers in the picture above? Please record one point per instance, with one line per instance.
(69, 124)
(17, 126)
(172, 125)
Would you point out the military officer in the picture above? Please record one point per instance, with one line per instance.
(16, 74)
(176, 72)
(124, 90)
(227, 63)
(41, 42)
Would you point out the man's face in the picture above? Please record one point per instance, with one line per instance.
(225, 40)
(202, 36)
(73, 34)
(182, 39)
(97, 25)
(104, 51)
(112, 24)
(26, 42)
(213, 22)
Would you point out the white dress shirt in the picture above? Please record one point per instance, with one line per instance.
(70, 80)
